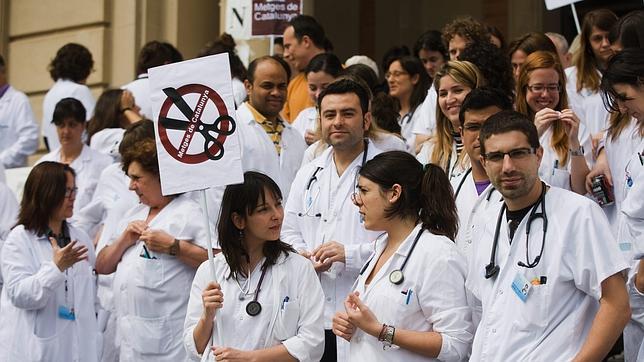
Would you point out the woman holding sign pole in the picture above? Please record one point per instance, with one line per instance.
(266, 302)
(159, 245)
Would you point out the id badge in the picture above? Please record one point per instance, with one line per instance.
(521, 286)
(66, 313)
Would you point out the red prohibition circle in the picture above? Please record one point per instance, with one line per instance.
(194, 158)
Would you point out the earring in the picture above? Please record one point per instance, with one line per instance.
(241, 235)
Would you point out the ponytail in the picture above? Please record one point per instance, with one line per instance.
(426, 191)
(438, 208)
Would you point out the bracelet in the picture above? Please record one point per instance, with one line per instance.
(388, 338)
(577, 152)
(381, 335)
(175, 248)
(126, 109)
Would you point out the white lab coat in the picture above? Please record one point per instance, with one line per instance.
(407, 124)
(554, 322)
(455, 168)
(8, 216)
(18, 129)
(435, 277)
(239, 91)
(617, 152)
(107, 142)
(426, 124)
(151, 295)
(30, 329)
(295, 323)
(329, 216)
(111, 201)
(630, 236)
(88, 167)
(63, 88)
(307, 120)
(560, 176)
(258, 151)
(468, 205)
(111, 189)
(383, 141)
(140, 89)
(586, 104)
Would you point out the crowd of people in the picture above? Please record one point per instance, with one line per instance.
(484, 202)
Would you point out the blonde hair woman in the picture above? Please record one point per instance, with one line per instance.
(453, 82)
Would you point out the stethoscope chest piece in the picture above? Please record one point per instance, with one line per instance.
(396, 276)
(253, 308)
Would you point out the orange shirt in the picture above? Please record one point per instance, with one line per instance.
(297, 98)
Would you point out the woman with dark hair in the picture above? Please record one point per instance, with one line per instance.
(154, 254)
(69, 69)
(322, 69)
(622, 87)
(541, 95)
(584, 77)
(48, 299)
(526, 44)
(408, 83)
(115, 110)
(411, 293)
(628, 32)
(69, 119)
(273, 306)
(226, 44)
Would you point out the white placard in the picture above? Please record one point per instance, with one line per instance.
(239, 14)
(195, 124)
(554, 4)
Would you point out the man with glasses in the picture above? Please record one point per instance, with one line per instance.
(544, 267)
(320, 220)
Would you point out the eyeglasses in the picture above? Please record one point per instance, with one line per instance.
(70, 192)
(539, 88)
(394, 74)
(515, 154)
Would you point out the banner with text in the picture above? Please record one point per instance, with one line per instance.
(270, 17)
(195, 123)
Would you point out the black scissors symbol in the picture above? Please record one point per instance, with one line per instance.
(209, 132)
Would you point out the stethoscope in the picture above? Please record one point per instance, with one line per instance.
(253, 307)
(396, 276)
(310, 198)
(492, 269)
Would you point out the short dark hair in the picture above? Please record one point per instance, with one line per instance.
(530, 43)
(306, 25)
(145, 153)
(253, 66)
(363, 72)
(483, 97)
(466, 27)
(226, 44)
(156, 53)
(69, 108)
(44, 192)
(344, 86)
(508, 121)
(493, 64)
(2, 63)
(324, 62)
(629, 30)
(393, 53)
(384, 112)
(72, 61)
(431, 40)
(625, 67)
(426, 190)
(242, 199)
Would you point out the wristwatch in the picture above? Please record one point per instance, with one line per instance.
(388, 336)
(175, 248)
(577, 152)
